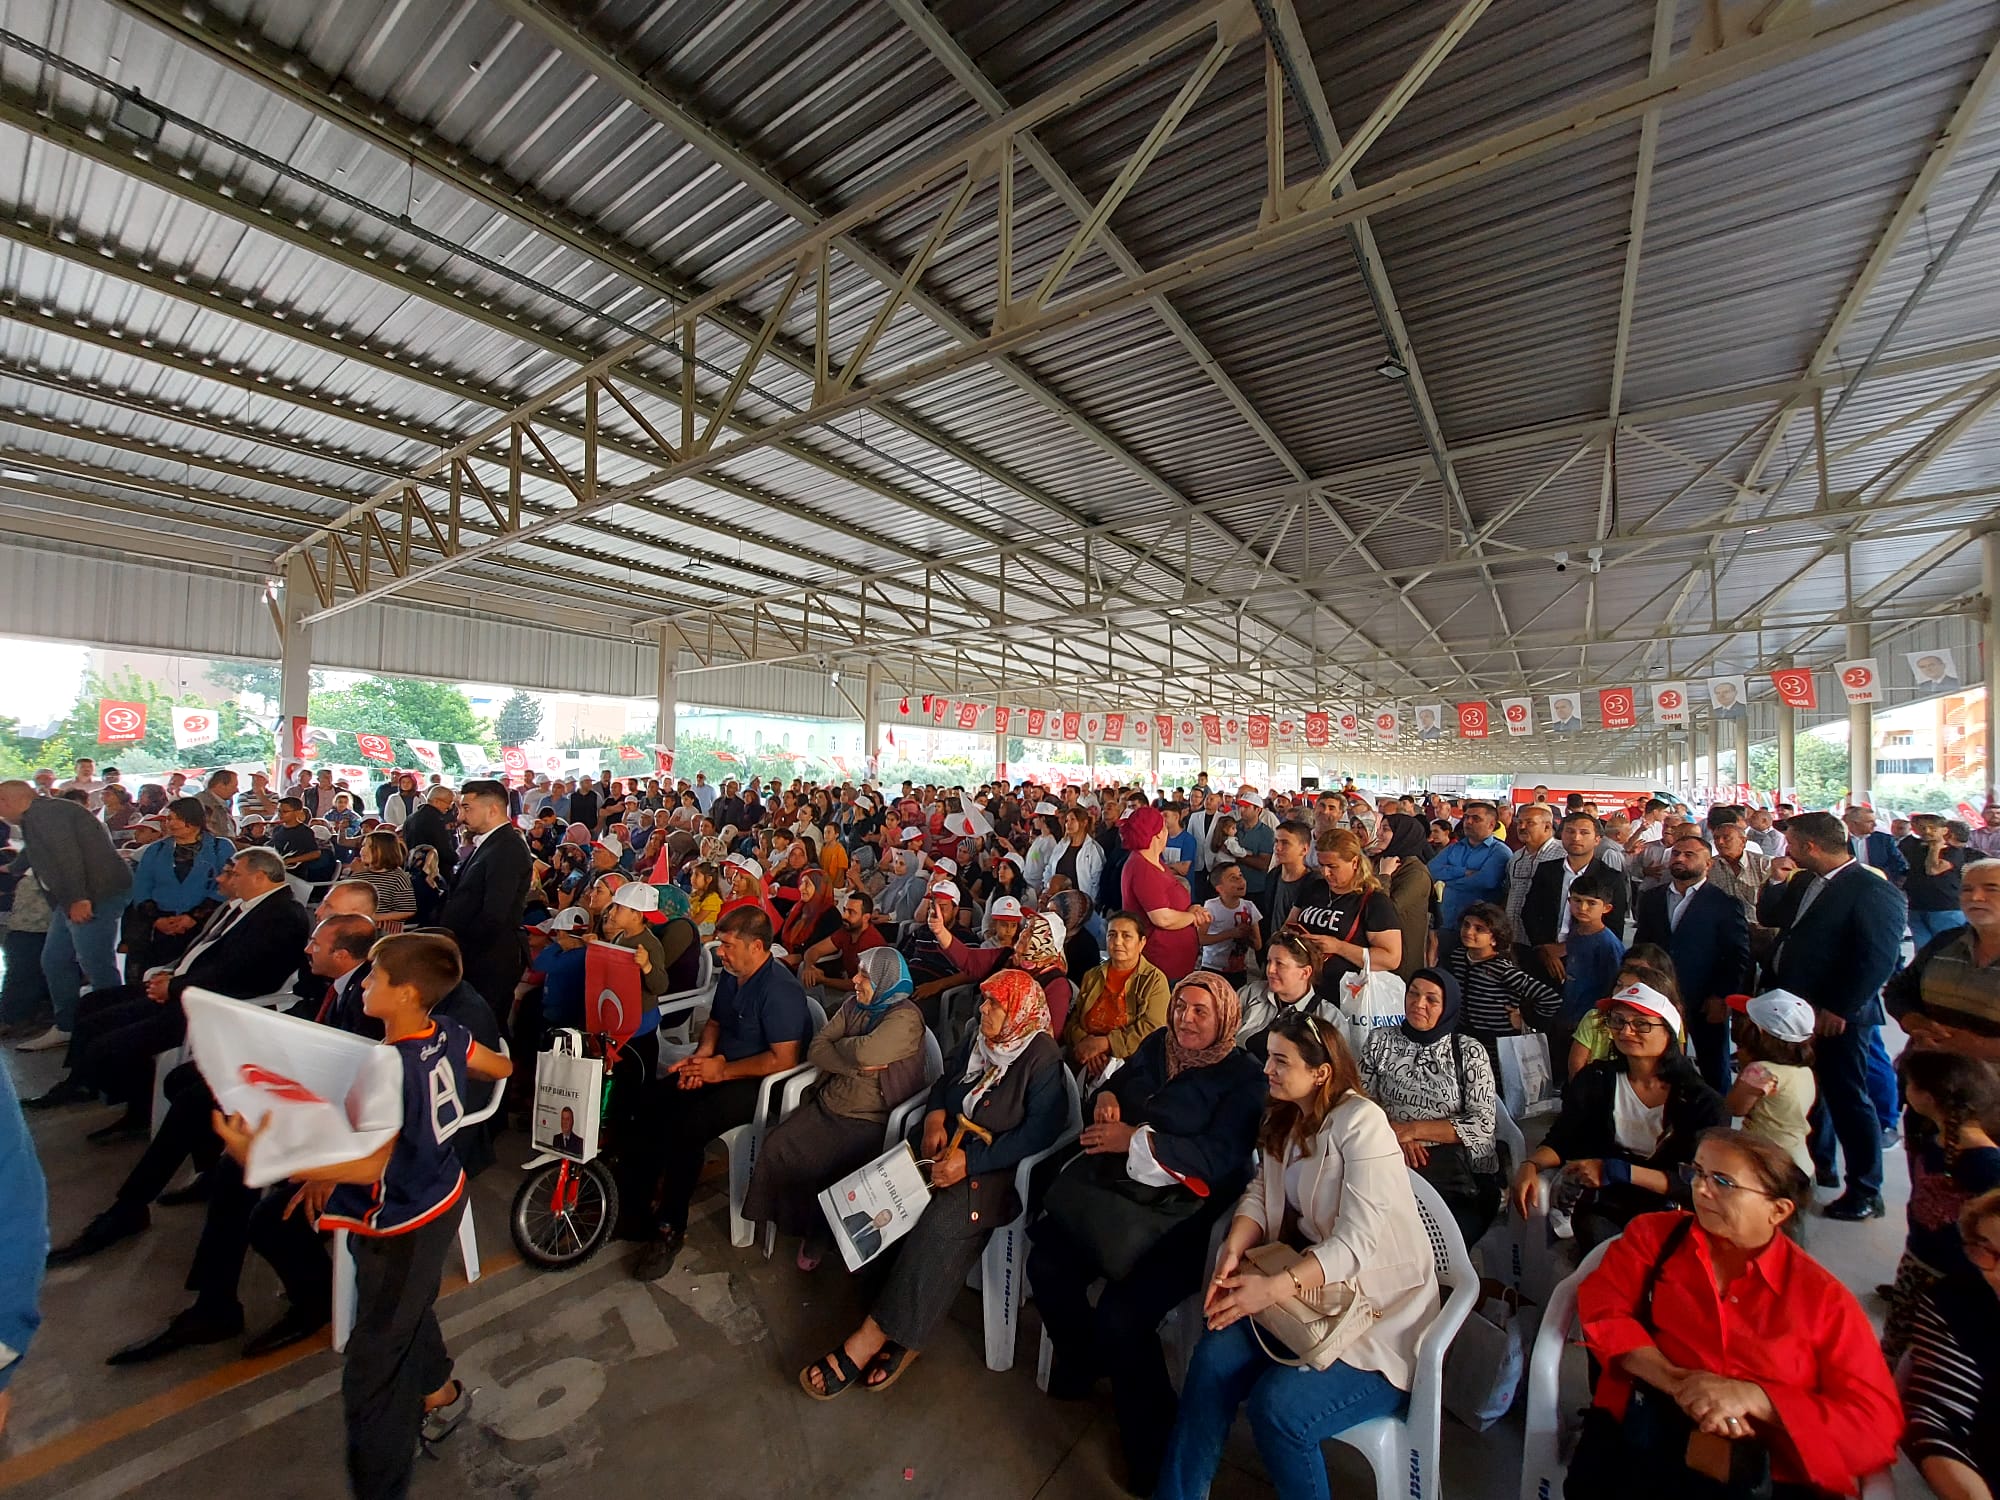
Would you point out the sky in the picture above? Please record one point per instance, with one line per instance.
(41, 680)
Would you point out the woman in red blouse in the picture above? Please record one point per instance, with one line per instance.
(1173, 923)
(1745, 1339)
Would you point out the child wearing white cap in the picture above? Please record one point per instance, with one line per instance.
(1774, 1089)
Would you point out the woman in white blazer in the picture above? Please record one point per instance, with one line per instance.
(1333, 1186)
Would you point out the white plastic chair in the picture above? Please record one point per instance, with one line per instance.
(950, 1027)
(1500, 1252)
(899, 1117)
(682, 1005)
(1403, 1451)
(468, 1238)
(741, 1142)
(1000, 1269)
(1542, 1462)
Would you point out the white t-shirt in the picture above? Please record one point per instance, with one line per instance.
(1217, 955)
(1638, 1128)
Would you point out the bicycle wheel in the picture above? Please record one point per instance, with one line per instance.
(564, 1213)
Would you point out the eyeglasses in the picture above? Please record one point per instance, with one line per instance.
(1721, 1184)
(1982, 1253)
(1637, 1025)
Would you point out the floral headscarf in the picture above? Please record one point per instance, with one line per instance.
(1228, 1016)
(1039, 947)
(1027, 1017)
(1072, 908)
(673, 902)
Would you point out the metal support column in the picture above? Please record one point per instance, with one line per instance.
(1743, 749)
(871, 720)
(1090, 764)
(294, 660)
(1788, 728)
(666, 688)
(1989, 545)
(1860, 729)
(999, 755)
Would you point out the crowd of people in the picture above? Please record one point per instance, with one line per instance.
(1711, 992)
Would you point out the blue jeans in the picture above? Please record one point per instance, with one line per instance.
(1291, 1413)
(1925, 925)
(77, 954)
(1884, 1092)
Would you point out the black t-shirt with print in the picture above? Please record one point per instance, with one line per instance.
(1349, 917)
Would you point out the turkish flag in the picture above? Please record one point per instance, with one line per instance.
(120, 723)
(612, 990)
(625, 752)
(375, 746)
(1472, 721)
(1796, 688)
(1616, 707)
(1318, 729)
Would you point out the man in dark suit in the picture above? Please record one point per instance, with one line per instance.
(249, 947)
(488, 895)
(1708, 933)
(1872, 846)
(1545, 909)
(1840, 936)
(431, 824)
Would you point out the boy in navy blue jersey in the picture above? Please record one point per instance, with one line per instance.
(400, 1206)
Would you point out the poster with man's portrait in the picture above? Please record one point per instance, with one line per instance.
(1933, 671)
(1726, 699)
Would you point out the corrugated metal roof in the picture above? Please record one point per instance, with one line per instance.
(368, 230)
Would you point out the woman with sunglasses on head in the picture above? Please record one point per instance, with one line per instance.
(1331, 1185)
(1951, 1390)
(1287, 988)
(1726, 1350)
(1628, 1124)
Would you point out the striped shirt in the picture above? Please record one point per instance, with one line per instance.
(1953, 1383)
(1491, 988)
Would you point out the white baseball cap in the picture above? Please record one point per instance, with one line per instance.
(1004, 906)
(741, 862)
(569, 919)
(1643, 997)
(944, 890)
(911, 834)
(638, 896)
(612, 843)
(947, 866)
(1778, 1014)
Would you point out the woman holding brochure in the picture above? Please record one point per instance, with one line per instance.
(1000, 1100)
(871, 1057)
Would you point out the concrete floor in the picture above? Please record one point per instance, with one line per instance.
(591, 1383)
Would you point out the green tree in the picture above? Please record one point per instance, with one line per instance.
(403, 709)
(1819, 766)
(519, 719)
(241, 739)
(259, 679)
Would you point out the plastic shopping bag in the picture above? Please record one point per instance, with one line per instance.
(1367, 1000)
(569, 1093)
(871, 1209)
(1527, 1082)
(1484, 1367)
(328, 1096)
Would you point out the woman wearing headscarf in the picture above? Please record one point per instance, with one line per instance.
(1437, 1088)
(680, 938)
(1121, 1001)
(1167, 1152)
(1173, 922)
(1001, 1099)
(870, 1055)
(1035, 948)
(811, 918)
(1408, 882)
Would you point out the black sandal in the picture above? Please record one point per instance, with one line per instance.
(836, 1372)
(892, 1360)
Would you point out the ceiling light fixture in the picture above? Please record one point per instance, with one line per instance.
(138, 119)
(1393, 368)
(696, 565)
(17, 474)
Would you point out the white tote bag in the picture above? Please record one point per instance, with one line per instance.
(1367, 1000)
(1527, 1082)
(1487, 1360)
(569, 1092)
(869, 1210)
(322, 1096)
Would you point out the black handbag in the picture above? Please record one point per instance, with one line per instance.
(1449, 1166)
(1116, 1219)
(1645, 1453)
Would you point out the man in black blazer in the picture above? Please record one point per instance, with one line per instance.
(488, 896)
(1545, 909)
(250, 946)
(1708, 933)
(431, 824)
(1840, 936)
